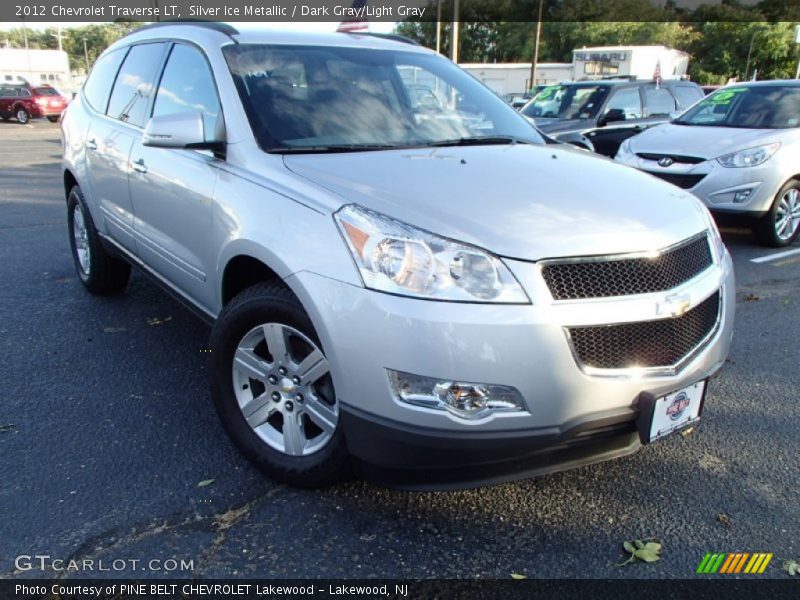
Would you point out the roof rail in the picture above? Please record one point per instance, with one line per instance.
(224, 28)
(387, 36)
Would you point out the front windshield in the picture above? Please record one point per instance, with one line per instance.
(566, 102)
(756, 107)
(313, 98)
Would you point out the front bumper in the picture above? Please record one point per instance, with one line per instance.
(364, 333)
(720, 185)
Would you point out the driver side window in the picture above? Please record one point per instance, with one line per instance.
(628, 101)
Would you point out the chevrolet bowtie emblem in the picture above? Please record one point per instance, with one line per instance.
(675, 305)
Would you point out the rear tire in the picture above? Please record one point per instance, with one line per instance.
(23, 116)
(272, 389)
(100, 273)
(781, 225)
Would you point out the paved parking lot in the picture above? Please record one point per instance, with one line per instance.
(106, 429)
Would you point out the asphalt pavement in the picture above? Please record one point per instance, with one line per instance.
(107, 428)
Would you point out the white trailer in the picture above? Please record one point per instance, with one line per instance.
(35, 67)
(514, 78)
(636, 62)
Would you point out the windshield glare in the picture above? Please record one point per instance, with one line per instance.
(566, 102)
(301, 97)
(758, 107)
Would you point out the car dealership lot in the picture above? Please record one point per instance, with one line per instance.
(106, 430)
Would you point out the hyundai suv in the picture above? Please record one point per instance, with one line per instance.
(432, 299)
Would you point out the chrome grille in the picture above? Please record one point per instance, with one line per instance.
(646, 344)
(593, 278)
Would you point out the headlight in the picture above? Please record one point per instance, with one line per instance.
(400, 259)
(624, 151)
(750, 157)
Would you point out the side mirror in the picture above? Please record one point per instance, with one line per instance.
(177, 130)
(612, 115)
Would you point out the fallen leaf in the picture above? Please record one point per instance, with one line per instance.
(792, 567)
(688, 432)
(155, 321)
(113, 329)
(643, 550)
(725, 520)
(518, 576)
(8, 427)
(205, 483)
(751, 298)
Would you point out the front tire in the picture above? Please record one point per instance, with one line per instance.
(53, 119)
(781, 225)
(23, 116)
(272, 388)
(100, 273)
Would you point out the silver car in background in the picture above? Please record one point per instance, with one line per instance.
(424, 292)
(738, 150)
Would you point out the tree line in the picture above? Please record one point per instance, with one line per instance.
(725, 40)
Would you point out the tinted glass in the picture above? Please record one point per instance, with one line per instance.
(658, 101)
(187, 85)
(687, 95)
(758, 107)
(98, 85)
(628, 101)
(48, 91)
(134, 85)
(318, 97)
(566, 102)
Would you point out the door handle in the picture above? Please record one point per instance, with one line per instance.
(91, 144)
(138, 165)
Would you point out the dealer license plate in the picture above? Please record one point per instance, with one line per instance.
(677, 410)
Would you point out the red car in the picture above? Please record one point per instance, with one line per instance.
(24, 102)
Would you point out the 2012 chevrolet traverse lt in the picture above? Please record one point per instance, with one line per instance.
(422, 291)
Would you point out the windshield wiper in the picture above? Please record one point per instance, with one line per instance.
(330, 149)
(479, 141)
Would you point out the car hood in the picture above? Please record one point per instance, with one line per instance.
(702, 142)
(518, 201)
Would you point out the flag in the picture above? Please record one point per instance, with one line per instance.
(657, 73)
(357, 22)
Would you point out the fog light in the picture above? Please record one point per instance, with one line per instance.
(463, 399)
(741, 196)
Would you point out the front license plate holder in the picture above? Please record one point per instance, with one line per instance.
(661, 416)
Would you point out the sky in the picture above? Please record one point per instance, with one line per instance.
(381, 27)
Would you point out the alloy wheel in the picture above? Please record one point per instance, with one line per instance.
(787, 214)
(81, 236)
(283, 387)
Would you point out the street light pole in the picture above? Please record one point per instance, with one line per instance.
(438, 26)
(454, 49)
(86, 55)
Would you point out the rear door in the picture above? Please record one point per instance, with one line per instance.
(110, 137)
(607, 139)
(172, 189)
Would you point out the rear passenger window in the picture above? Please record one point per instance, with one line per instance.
(135, 83)
(687, 95)
(187, 85)
(98, 85)
(628, 101)
(658, 102)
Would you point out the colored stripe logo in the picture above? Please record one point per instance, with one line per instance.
(732, 563)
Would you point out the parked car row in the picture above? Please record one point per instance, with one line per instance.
(25, 102)
(735, 149)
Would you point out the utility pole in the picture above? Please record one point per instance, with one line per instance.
(439, 27)
(86, 55)
(749, 54)
(536, 45)
(454, 41)
(58, 36)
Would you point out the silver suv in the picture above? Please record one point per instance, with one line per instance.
(404, 279)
